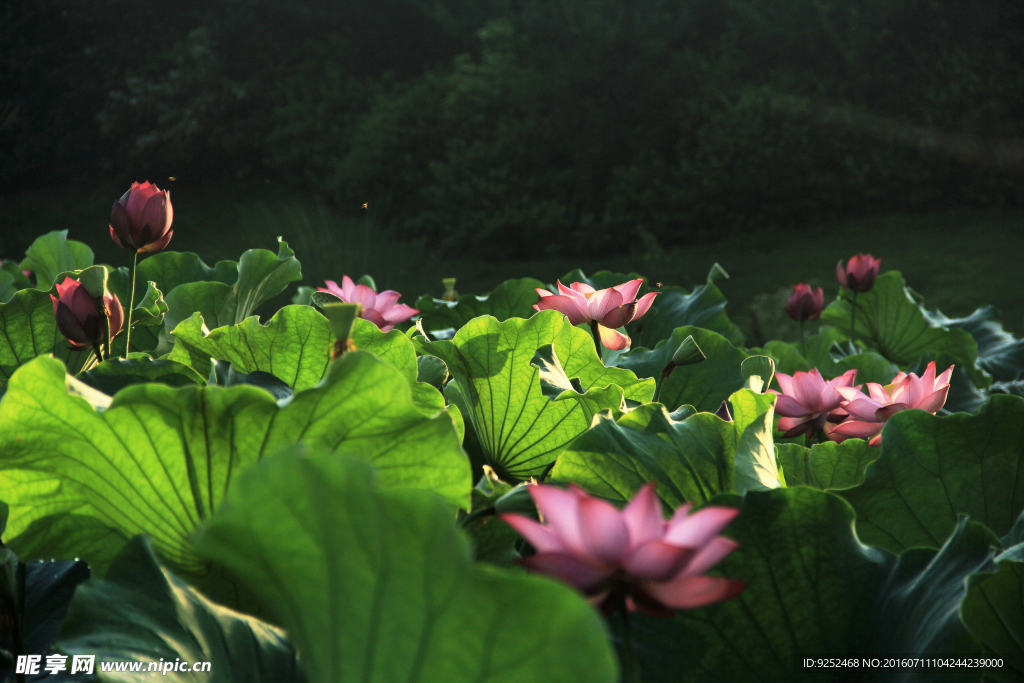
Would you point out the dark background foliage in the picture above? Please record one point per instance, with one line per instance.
(526, 128)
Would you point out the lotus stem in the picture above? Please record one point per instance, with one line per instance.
(630, 665)
(853, 318)
(597, 337)
(131, 305)
(110, 341)
(803, 337)
(661, 381)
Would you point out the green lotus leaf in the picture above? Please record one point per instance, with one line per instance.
(112, 375)
(141, 612)
(510, 299)
(28, 329)
(703, 385)
(932, 469)
(52, 254)
(294, 345)
(999, 352)
(826, 466)
(262, 275)
(993, 612)
(814, 591)
(520, 423)
(690, 460)
(891, 320)
(378, 586)
(674, 307)
(158, 460)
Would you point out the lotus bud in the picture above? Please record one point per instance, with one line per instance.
(859, 274)
(688, 353)
(141, 219)
(805, 303)
(81, 317)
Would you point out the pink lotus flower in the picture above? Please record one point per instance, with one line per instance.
(805, 303)
(868, 414)
(608, 308)
(141, 219)
(380, 309)
(859, 274)
(634, 555)
(78, 315)
(807, 401)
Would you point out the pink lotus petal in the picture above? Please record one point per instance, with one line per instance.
(613, 339)
(377, 319)
(331, 288)
(602, 302)
(864, 409)
(568, 568)
(841, 274)
(854, 394)
(844, 380)
(116, 313)
(581, 287)
(885, 412)
(934, 401)
(155, 215)
(386, 300)
(618, 317)
(807, 388)
(347, 288)
(543, 293)
(790, 407)
(539, 536)
(157, 246)
(565, 305)
(643, 516)
(697, 529)
(785, 382)
(877, 393)
(399, 313)
(657, 560)
(560, 509)
(605, 535)
(577, 292)
(944, 378)
(628, 290)
(361, 294)
(694, 591)
(644, 304)
(857, 429)
(709, 555)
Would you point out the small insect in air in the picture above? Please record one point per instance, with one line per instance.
(171, 178)
(366, 205)
(657, 285)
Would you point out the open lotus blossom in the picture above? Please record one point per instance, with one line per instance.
(609, 308)
(859, 274)
(868, 414)
(805, 303)
(634, 556)
(383, 309)
(78, 314)
(141, 219)
(807, 401)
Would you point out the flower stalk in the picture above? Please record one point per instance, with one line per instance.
(131, 306)
(630, 663)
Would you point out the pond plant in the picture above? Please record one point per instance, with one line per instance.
(593, 483)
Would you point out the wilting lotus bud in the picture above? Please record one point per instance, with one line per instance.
(449, 289)
(805, 303)
(141, 220)
(859, 274)
(80, 317)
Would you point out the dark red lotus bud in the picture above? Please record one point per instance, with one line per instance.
(805, 303)
(141, 220)
(79, 317)
(859, 274)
